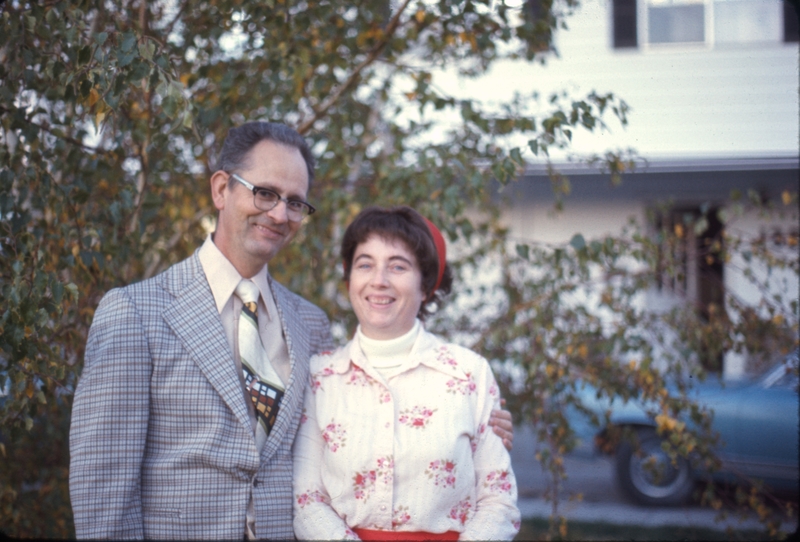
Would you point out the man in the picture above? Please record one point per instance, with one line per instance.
(168, 437)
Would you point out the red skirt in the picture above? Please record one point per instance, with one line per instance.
(368, 534)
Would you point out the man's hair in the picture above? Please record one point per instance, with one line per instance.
(241, 140)
(406, 225)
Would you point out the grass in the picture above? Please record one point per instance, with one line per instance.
(537, 529)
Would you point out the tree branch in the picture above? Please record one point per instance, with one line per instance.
(63, 136)
(391, 28)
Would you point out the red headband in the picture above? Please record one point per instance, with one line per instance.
(441, 251)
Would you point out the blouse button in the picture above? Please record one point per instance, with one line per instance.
(383, 508)
(387, 425)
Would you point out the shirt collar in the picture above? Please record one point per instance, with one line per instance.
(223, 278)
(428, 350)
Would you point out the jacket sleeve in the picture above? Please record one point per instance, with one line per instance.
(496, 514)
(109, 424)
(314, 518)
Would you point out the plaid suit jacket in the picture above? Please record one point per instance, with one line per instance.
(161, 441)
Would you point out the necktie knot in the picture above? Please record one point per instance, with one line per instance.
(247, 291)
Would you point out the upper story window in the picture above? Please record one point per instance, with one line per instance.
(654, 23)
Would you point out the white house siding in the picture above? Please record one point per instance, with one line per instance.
(686, 100)
(538, 222)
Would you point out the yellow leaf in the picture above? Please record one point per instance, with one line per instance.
(777, 319)
(93, 97)
(29, 390)
(679, 230)
(185, 79)
(786, 197)
(420, 15)
(583, 350)
(99, 117)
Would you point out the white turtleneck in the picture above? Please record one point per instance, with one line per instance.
(386, 356)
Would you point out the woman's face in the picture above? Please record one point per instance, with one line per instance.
(385, 287)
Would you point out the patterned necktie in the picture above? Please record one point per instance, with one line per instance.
(262, 383)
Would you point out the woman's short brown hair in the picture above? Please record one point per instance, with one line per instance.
(403, 224)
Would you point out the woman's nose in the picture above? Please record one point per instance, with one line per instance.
(379, 277)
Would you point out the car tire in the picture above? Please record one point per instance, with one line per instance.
(648, 476)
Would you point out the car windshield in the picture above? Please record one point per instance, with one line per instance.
(783, 374)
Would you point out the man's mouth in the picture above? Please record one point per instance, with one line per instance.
(270, 231)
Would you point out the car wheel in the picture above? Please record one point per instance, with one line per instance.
(648, 475)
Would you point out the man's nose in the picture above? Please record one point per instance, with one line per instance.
(280, 213)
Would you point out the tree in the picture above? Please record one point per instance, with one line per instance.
(112, 114)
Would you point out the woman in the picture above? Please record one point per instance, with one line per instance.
(393, 444)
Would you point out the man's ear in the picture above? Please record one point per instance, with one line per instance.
(219, 185)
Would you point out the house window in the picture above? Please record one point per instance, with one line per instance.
(791, 28)
(660, 23)
(624, 15)
(675, 21)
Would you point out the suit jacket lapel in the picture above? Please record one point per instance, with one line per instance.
(297, 344)
(194, 319)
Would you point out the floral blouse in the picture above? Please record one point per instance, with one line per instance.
(409, 453)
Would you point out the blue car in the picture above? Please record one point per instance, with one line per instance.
(757, 421)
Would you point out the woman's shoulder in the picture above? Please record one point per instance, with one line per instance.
(328, 358)
(446, 350)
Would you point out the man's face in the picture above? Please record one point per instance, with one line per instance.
(247, 236)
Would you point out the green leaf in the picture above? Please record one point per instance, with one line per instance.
(523, 251)
(146, 49)
(127, 42)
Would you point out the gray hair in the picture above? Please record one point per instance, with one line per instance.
(241, 140)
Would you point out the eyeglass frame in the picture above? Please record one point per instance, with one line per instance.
(255, 189)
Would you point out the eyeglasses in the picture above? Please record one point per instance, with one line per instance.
(265, 200)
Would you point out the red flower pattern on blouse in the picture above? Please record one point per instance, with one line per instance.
(464, 387)
(416, 417)
(316, 382)
(442, 472)
(334, 436)
(498, 481)
(446, 357)
(364, 484)
(461, 511)
(310, 497)
(358, 377)
(400, 516)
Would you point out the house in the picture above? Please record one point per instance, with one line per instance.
(712, 87)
